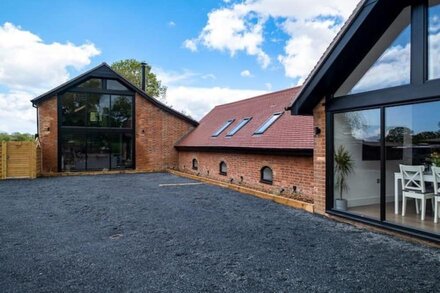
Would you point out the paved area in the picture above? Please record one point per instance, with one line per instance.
(124, 233)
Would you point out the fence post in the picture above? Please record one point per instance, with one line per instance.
(4, 159)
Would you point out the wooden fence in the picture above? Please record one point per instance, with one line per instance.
(20, 159)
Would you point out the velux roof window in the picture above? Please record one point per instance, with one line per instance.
(239, 126)
(268, 123)
(224, 126)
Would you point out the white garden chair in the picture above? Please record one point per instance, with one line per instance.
(413, 186)
(436, 174)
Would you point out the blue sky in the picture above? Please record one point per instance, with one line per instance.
(207, 52)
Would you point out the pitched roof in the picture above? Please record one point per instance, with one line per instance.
(105, 71)
(360, 32)
(287, 133)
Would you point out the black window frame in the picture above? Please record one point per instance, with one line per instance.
(221, 172)
(419, 90)
(260, 131)
(223, 128)
(239, 126)
(87, 130)
(262, 179)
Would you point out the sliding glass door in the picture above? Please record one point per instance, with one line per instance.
(368, 148)
(412, 138)
(357, 162)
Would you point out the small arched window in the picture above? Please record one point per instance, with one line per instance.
(266, 175)
(195, 164)
(223, 168)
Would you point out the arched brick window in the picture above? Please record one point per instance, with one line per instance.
(195, 164)
(266, 175)
(223, 168)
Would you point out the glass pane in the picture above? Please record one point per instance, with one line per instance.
(357, 162)
(412, 138)
(115, 85)
(224, 126)
(98, 110)
(98, 152)
(93, 83)
(239, 126)
(73, 109)
(388, 62)
(268, 123)
(121, 151)
(223, 167)
(73, 152)
(434, 39)
(121, 111)
(267, 174)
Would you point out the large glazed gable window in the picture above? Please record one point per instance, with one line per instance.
(388, 62)
(223, 168)
(96, 130)
(266, 175)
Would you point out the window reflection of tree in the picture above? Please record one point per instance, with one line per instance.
(121, 111)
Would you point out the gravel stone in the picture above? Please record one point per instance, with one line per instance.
(124, 233)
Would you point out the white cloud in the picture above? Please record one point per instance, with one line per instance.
(246, 73)
(190, 45)
(28, 67)
(171, 23)
(268, 85)
(309, 25)
(198, 101)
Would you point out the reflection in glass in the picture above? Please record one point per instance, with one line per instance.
(98, 152)
(73, 152)
(121, 111)
(73, 107)
(434, 39)
(388, 62)
(98, 110)
(115, 85)
(121, 154)
(93, 83)
(413, 134)
(357, 138)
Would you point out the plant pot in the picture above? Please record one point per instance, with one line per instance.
(341, 204)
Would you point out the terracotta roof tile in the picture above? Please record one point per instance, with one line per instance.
(288, 132)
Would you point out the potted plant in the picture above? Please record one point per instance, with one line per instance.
(343, 167)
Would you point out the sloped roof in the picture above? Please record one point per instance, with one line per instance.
(361, 31)
(287, 133)
(105, 71)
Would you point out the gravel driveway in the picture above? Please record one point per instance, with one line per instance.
(126, 233)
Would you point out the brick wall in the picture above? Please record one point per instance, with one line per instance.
(48, 135)
(157, 132)
(319, 158)
(288, 171)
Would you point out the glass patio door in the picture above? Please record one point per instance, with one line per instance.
(412, 137)
(357, 169)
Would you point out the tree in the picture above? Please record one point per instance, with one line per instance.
(16, 136)
(131, 69)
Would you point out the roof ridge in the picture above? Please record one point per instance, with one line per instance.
(259, 96)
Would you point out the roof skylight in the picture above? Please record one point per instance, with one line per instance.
(239, 126)
(224, 126)
(268, 123)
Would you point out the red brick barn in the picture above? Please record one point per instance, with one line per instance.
(255, 143)
(99, 121)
